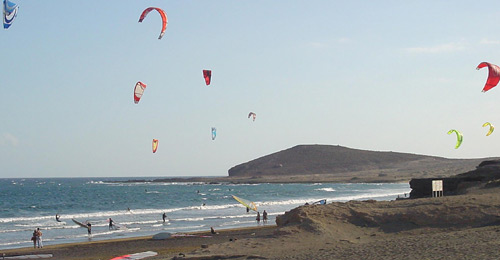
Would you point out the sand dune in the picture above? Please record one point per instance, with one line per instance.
(455, 227)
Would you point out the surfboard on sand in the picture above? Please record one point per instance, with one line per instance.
(28, 256)
(141, 255)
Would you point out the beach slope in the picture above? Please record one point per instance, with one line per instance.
(454, 227)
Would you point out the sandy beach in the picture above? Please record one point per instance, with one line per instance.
(166, 249)
(454, 227)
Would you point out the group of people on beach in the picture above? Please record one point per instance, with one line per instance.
(264, 217)
(37, 238)
(37, 234)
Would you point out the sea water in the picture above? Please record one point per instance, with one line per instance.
(137, 208)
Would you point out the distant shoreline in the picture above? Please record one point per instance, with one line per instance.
(323, 178)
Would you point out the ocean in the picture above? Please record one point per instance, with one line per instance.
(27, 204)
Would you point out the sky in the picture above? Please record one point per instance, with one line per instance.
(371, 75)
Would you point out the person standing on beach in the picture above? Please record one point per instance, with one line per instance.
(264, 217)
(33, 238)
(164, 216)
(39, 238)
(258, 217)
(89, 228)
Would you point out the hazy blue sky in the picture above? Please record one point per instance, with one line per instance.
(375, 75)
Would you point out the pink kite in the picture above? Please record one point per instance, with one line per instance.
(207, 74)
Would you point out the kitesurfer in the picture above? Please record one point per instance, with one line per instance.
(110, 224)
(57, 218)
(264, 216)
(164, 216)
(258, 217)
(89, 228)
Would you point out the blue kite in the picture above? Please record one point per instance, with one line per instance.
(214, 133)
(9, 13)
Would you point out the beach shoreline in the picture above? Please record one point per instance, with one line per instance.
(170, 247)
(452, 227)
(190, 207)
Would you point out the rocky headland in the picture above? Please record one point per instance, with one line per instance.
(333, 163)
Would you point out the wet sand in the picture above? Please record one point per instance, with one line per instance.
(166, 249)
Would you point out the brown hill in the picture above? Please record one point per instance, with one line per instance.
(337, 161)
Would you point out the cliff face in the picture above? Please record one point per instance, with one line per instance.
(486, 174)
(328, 159)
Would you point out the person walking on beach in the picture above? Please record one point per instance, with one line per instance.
(164, 216)
(89, 228)
(33, 238)
(264, 217)
(258, 217)
(110, 224)
(39, 238)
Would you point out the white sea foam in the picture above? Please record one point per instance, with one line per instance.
(326, 189)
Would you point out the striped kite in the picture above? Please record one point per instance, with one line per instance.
(138, 91)
(9, 13)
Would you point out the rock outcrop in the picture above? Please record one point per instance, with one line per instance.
(486, 174)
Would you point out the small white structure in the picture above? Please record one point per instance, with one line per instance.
(437, 188)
